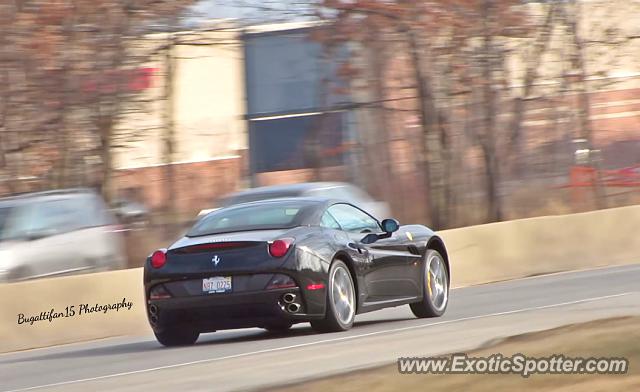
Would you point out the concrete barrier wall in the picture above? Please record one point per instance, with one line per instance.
(31, 298)
(513, 249)
(479, 254)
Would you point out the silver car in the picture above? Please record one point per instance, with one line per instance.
(57, 232)
(335, 190)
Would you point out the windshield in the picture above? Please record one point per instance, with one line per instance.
(262, 216)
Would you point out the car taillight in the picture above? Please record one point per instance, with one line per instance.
(158, 258)
(279, 248)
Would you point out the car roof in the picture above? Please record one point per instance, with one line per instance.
(289, 188)
(319, 200)
(44, 195)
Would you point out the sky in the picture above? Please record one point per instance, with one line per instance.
(242, 9)
(217, 9)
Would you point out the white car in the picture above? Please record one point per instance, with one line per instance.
(57, 232)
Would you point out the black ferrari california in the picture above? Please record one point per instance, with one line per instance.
(274, 263)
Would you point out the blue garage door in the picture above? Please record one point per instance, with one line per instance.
(296, 142)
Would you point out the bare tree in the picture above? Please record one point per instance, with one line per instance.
(67, 70)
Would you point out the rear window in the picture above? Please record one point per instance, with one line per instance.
(262, 216)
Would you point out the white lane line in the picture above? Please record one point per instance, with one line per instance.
(629, 267)
(344, 338)
(619, 268)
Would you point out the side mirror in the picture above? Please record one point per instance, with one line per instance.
(390, 225)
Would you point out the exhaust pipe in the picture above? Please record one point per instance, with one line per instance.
(288, 298)
(154, 319)
(293, 308)
(153, 309)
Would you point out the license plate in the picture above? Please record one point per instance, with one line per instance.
(218, 284)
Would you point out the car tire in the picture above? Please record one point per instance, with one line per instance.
(172, 337)
(435, 287)
(340, 311)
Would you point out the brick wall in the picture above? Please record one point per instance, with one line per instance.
(334, 173)
(197, 184)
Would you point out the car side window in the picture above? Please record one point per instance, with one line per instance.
(86, 212)
(57, 216)
(99, 214)
(353, 219)
(50, 217)
(329, 222)
(45, 219)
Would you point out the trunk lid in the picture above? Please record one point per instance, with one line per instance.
(221, 254)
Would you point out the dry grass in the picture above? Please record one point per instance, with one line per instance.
(606, 338)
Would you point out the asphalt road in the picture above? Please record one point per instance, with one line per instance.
(252, 359)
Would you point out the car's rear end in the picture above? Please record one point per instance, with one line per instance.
(236, 277)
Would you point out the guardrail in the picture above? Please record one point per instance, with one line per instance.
(479, 254)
